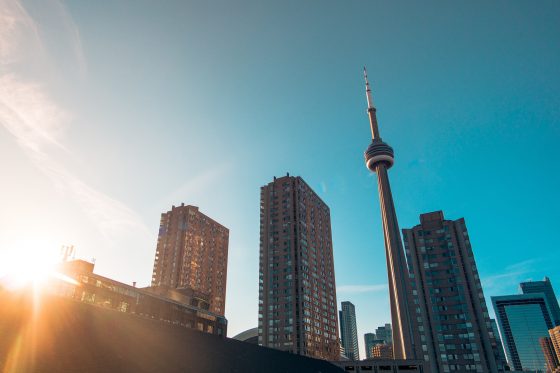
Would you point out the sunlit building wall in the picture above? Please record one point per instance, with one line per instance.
(192, 252)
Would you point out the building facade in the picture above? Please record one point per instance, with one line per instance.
(385, 333)
(297, 290)
(451, 322)
(382, 351)
(192, 253)
(555, 339)
(501, 360)
(370, 340)
(523, 319)
(545, 287)
(349, 331)
(183, 307)
(549, 354)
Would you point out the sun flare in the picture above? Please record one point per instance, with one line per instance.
(28, 264)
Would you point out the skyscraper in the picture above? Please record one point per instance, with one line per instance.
(379, 158)
(545, 287)
(192, 253)
(348, 331)
(451, 319)
(385, 333)
(523, 319)
(297, 291)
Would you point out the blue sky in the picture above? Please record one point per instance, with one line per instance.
(113, 111)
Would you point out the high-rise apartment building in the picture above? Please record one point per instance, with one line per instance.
(297, 291)
(523, 319)
(450, 318)
(192, 253)
(545, 287)
(349, 331)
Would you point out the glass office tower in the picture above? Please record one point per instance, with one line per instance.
(523, 319)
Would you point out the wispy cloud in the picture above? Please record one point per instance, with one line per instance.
(38, 124)
(509, 278)
(352, 289)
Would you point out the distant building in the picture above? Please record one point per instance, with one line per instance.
(549, 354)
(382, 351)
(385, 333)
(297, 291)
(450, 318)
(523, 319)
(349, 331)
(183, 307)
(501, 360)
(545, 287)
(192, 253)
(370, 340)
(554, 334)
(249, 336)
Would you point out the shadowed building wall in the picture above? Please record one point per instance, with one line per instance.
(297, 291)
(450, 319)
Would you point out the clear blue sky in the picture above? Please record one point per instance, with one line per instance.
(113, 111)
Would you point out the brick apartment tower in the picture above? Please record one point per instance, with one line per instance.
(192, 252)
(297, 292)
(451, 321)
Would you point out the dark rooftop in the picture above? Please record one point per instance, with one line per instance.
(62, 335)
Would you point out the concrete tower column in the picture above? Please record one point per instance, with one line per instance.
(379, 158)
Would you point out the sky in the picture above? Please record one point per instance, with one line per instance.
(112, 112)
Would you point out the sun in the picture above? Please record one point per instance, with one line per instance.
(27, 263)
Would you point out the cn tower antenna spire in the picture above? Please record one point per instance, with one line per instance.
(368, 92)
(371, 110)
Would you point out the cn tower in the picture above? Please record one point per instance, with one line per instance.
(379, 158)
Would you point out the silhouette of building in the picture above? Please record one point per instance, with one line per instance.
(523, 319)
(63, 335)
(451, 322)
(545, 287)
(297, 291)
(192, 253)
(348, 331)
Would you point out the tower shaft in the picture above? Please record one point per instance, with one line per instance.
(379, 158)
(396, 269)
